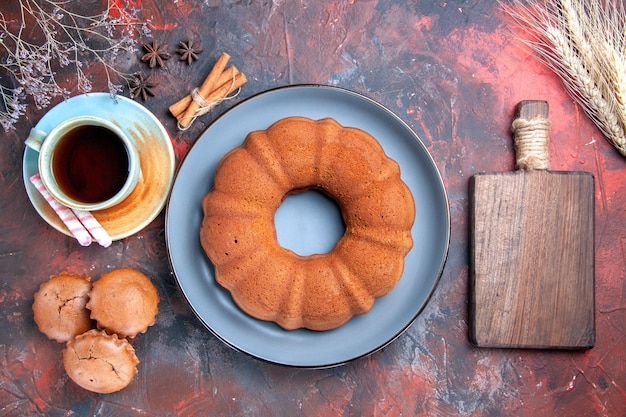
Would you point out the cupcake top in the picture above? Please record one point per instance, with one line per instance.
(123, 301)
(99, 362)
(59, 306)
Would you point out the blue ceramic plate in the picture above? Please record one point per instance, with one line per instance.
(363, 334)
(156, 153)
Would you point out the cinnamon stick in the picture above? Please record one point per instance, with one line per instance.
(227, 87)
(177, 109)
(219, 94)
(206, 87)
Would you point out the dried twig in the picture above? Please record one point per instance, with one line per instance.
(47, 36)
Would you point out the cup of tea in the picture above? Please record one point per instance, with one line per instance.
(86, 162)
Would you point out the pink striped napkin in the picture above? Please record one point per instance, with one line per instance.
(82, 224)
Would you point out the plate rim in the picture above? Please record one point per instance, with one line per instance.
(441, 187)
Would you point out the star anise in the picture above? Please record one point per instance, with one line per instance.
(155, 54)
(189, 51)
(141, 87)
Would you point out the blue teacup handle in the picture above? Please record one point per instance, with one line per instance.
(35, 138)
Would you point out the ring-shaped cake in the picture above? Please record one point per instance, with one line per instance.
(319, 291)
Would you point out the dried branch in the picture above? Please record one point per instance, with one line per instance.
(58, 38)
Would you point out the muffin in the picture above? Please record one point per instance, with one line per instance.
(123, 301)
(59, 306)
(99, 362)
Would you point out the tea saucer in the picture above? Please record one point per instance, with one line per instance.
(156, 153)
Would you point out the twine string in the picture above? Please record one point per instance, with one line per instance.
(205, 106)
(531, 143)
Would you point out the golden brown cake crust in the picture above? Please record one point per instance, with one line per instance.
(100, 362)
(59, 306)
(321, 291)
(124, 301)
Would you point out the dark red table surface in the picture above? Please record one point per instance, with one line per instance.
(453, 71)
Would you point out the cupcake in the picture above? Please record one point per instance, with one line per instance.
(99, 362)
(123, 301)
(59, 307)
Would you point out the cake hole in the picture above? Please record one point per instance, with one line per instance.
(309, 223)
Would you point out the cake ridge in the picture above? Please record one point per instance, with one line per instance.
(238, 182)
(238, 243)
(396, 240)
(361, 299)
(226, 207)
(251, 143)
(226, 269)
(261, 304)
(292, 303)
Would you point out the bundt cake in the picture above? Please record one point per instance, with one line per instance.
(320, 291)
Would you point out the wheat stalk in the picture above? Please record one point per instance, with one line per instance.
(584, 43)
(612, 51)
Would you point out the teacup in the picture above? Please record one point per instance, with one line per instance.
(86, 162)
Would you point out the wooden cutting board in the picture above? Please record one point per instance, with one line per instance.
(532, 254)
